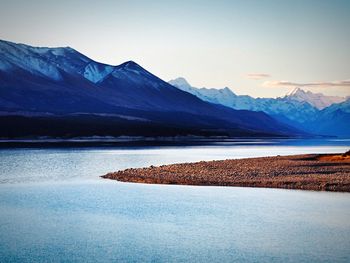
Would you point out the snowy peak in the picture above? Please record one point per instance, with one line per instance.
(41, 61)
(223, 96)
(132, 69)
(296, 92)
(180, 82)
(226, 90)
(318, 100)
(19, 56)
(6, 46)
(131, 65)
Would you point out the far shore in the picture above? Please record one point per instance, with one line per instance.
(319, 172)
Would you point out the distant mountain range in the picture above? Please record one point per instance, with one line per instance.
(59, 92)
(312, 112)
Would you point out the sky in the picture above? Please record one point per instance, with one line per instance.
(263, 48)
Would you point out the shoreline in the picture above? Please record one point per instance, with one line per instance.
(158, 142)
(318, 172)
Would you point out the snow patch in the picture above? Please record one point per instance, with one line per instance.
(97, 72)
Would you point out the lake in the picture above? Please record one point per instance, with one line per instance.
(54, 207)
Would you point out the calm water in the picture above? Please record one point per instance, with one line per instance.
(55, 208)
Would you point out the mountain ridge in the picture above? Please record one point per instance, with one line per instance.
(292, 110)
(297, 108)
(62, 82)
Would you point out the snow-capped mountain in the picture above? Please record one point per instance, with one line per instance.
(318, 100)
(284, 109)
(40, 61)
(218, 96)
(62, 81)
(304, 110)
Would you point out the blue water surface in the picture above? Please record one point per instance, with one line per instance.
(54, 207)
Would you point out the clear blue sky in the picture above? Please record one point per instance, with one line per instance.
(210, 43)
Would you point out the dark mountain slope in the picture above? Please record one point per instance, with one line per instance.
(61, 81)
(334, 120)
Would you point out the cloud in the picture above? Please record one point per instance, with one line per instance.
(336, 83)
(258, 76)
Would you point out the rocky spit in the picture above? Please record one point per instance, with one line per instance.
(306, 172)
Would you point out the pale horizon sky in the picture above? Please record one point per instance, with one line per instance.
(261, 48)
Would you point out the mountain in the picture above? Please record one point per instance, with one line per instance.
(59, 91)
(285, 109)
(318, 100)
(312, 112)
(334, 120)
(218, 96)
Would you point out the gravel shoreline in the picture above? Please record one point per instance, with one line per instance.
(320, 172)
